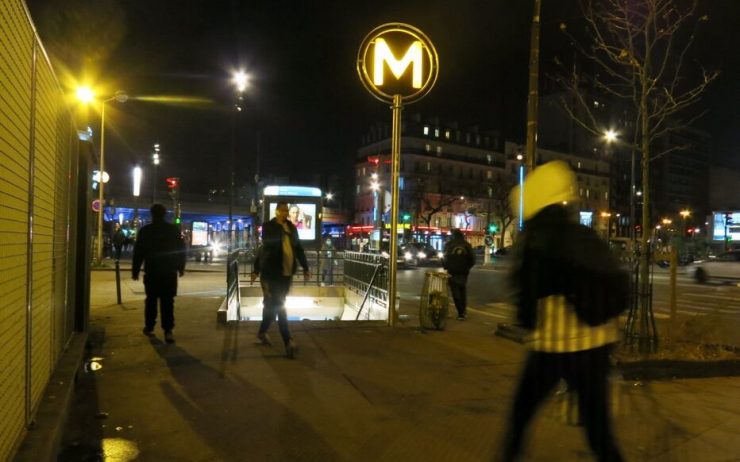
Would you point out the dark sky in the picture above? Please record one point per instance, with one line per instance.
(306, 105)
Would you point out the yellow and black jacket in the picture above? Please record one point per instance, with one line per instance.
(568, 287)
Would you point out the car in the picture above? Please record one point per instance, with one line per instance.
(421, 254)
(502, 252)
(401, 262)
(725, 266)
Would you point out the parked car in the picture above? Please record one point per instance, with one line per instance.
(480, 249)
(421, 254)
(502, 252)
(725, 266)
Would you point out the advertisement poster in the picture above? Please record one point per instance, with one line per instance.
(303, 216)
(199, 236)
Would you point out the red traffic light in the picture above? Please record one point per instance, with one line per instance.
(173, 182)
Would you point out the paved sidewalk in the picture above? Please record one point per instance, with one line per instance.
(356, 392)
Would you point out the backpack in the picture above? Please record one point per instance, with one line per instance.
(457, 258)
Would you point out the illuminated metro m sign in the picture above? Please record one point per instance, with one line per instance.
(397, 59)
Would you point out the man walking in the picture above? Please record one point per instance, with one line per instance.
(458, 259)
(161, 248)
(569, 290)
(276, 264)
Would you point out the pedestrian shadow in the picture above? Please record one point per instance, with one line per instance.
(233, 416)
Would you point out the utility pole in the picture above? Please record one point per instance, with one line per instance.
(533, 97)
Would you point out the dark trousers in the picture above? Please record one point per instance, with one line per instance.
(160, 287)
(459, 294)
(586, 373)
(274, 291)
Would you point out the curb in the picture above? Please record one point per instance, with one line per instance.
(44, 435)
(661, 369)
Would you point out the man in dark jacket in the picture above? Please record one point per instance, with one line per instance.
(458, 259)
(276, 264)
(569, 290)
(161, 248)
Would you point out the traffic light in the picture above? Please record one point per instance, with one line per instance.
(406, 217)
(173, 185)
(492, 228)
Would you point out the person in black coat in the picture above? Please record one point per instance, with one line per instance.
(568, 291)
(275, 265)
(162, 251)
(458, 259)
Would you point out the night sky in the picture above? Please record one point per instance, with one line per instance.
(306, 109)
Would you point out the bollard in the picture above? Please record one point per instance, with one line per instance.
(118, 281)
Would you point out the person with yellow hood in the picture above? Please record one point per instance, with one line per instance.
(569, 290)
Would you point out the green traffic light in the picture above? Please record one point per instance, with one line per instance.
(492, 228)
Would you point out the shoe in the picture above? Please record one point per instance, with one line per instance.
(148, 332)
(263, 339)
(291, 349)
(461, 317)
(168, 337)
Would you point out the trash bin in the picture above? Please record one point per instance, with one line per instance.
(435, 301)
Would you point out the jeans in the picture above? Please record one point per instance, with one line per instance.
(274, 292)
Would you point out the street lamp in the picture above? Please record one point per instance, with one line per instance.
(136, 175)
(685, 214)
(86, 95)
(240, 79)
(607, 216)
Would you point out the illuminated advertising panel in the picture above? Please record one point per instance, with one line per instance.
(199, 235)
(722, 226)
(303, 216)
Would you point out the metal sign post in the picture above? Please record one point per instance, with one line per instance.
(378, 54)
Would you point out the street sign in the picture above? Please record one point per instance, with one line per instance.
(385, 75)
(95, 205)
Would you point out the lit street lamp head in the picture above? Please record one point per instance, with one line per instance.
(240, 79)
(85, 95)
(610, 136)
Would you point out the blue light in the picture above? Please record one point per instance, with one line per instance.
(521, 197)
(300, 191)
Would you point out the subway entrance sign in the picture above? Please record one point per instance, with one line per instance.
(397, 59)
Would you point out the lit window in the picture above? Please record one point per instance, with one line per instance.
(489, 174)
(429, 166)
(436, 132)
(477, 140)
(439, 149)
(358, 189)
(580, 192)
(447, 134)
(427, 147)
(606, 196)
(363, 171)
(489, 158)
(579, 165)
(588, 193)
(426, 129)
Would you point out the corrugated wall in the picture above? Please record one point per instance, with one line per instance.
(36, 158)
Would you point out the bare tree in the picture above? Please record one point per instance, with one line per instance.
(639, 50)
(499, 205)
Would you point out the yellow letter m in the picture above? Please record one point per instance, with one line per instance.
(384, 54)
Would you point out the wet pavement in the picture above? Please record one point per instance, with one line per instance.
(356, 392)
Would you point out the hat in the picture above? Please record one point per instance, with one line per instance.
(551, 183)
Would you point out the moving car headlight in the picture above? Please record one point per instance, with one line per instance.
(440, 254)
(421, 255)
(408, 256)
(216, 247)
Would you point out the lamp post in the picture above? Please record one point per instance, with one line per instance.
(608, 217)
(86, 95)
(155, 161)
(240, 79)
(685, 214)
(136, 175)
